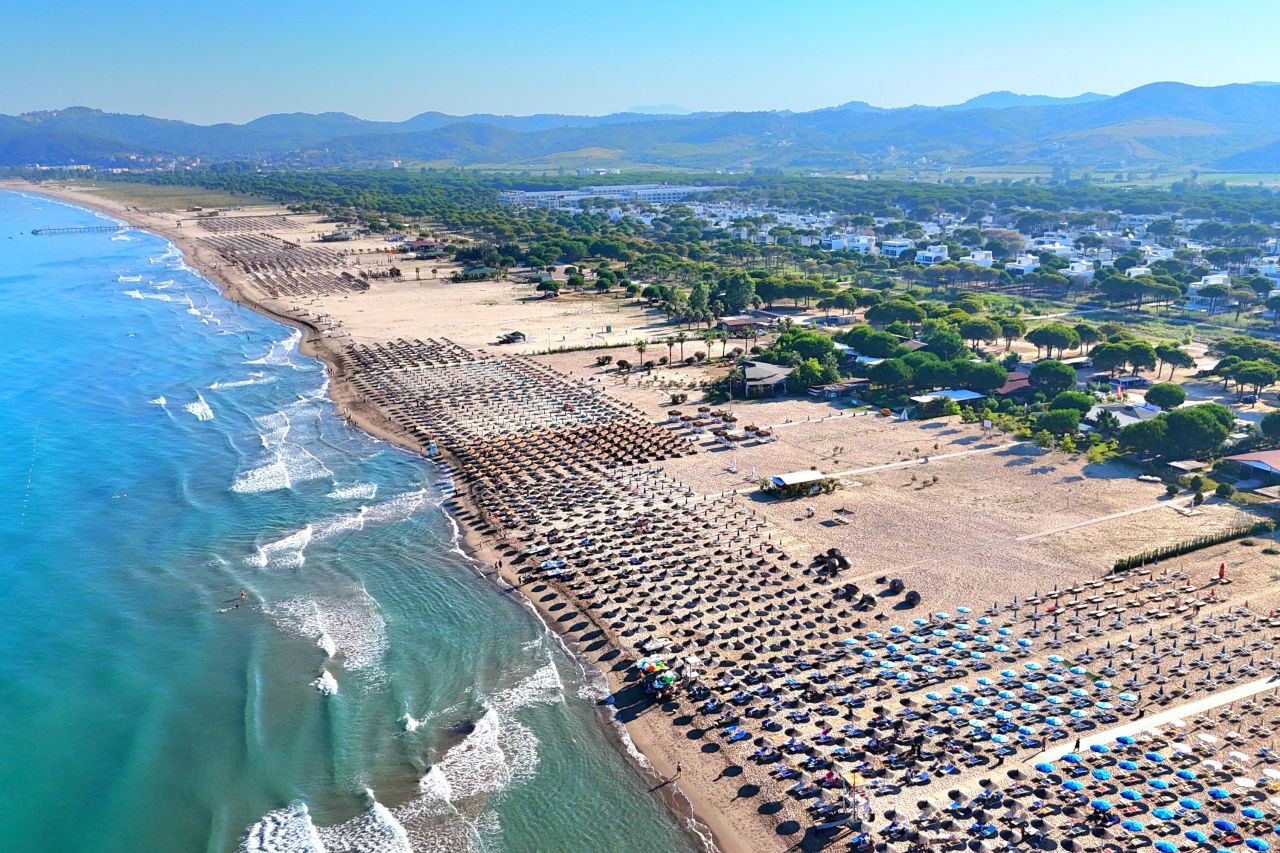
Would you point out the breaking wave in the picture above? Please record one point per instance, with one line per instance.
(199, 408)
(350, 631)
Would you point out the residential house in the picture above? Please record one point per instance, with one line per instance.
(1023, 264)
(935, 254)
(895, 248)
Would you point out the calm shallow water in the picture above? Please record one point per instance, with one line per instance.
(166, 448)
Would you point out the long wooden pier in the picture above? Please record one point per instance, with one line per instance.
(84, 229)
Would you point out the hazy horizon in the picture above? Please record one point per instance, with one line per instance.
(251, 60)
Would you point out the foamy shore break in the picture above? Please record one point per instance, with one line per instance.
(637, 535)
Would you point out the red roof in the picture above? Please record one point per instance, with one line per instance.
(1269, 459)
(1015, 384)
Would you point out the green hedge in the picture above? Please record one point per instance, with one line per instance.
(1177, 549)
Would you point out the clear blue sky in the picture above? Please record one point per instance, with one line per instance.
(231, 60)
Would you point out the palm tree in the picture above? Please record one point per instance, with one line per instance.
(723, 338)
(671, 345)
(640, 346)
(681, 337)
(709, 338)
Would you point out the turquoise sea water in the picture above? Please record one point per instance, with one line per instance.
(164, 448)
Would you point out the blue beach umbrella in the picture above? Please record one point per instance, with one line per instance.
(1072, 785)
(1125, 739)
(1044, 767)
(1224, 825)
(1128, 765)
(1099, 748)
(1153, 756)
(1257, 844)
(1077, 670)
(1133, 826)
(1127, 697)
(1218, 793)
(1252, 813)
(1072, 757)
(1196, 835)
(1162, 813)
(1188, 803)
(1166, 847)
(1186, 774)
(1054, 721)
(1130, 794)
(1101, 775)
(1159, 784)
(1100, 805)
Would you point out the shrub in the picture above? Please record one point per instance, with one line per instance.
(1171, 489)
(1225, 490)
(1178, 549)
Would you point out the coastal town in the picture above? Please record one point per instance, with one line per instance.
(955, 531)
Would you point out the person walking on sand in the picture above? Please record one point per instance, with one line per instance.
(678, 769)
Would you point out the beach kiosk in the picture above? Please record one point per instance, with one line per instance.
(798, 482)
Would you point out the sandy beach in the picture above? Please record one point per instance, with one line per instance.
(635, 531)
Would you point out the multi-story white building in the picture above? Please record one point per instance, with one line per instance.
(1023, 264)
(935, 254)
(1079, 269)
(979, 258)
(895, 248)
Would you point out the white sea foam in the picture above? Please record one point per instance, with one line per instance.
(452, 809)
(159, 401)
(199, 408)
(411, 724)
(355, 630)
(375, 831)
(129, 278)
(289, 550)
(326, 683)
(285, 463)
(137, 294)
(287, 830)
(354, 491)
(256, 378)
(285, 552)
(121, 238)
(164, 285)
(280, 351)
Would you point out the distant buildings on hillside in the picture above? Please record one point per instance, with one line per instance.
(631, 193)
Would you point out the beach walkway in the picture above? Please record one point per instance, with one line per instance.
(1092, 521)
(1181, 712)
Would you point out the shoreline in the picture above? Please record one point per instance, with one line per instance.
(700, 818)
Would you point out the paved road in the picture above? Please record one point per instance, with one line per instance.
(1179, 712)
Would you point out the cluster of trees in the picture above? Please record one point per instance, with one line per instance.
(1191, 431)
(1248, 363)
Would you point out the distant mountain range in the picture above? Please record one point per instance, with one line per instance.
(1235, 127)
